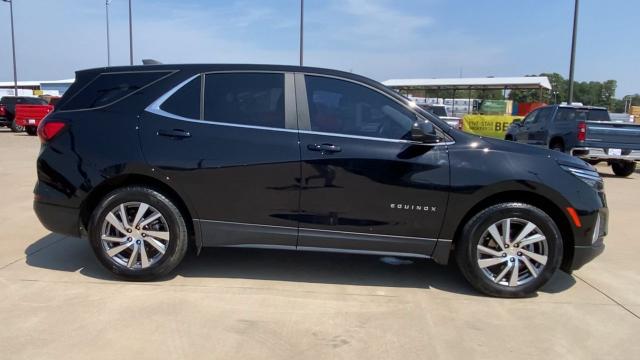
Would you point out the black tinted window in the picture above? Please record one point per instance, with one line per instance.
(35, 101)
(598, 115)
(338, 106)
(255, 99)
(568, 114)
(544, 115)
(8, 100)
(186, 101)
(108, 88)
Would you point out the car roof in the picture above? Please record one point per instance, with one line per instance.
(582, 107)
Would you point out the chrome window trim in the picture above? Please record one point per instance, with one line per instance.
(301, 91)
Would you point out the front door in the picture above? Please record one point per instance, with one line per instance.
(233, 153)
(528, 125)
(365, 184)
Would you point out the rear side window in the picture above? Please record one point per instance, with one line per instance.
(108, 88)
(255, 99)
(186, 101)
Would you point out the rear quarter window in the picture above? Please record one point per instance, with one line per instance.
(598, 115)
(108, 88)
(186, 101)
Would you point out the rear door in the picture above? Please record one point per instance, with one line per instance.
(229, 142)
(365, 185)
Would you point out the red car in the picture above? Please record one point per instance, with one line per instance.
(29, 116)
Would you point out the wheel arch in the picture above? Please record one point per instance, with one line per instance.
(534, 199)
(557, 140)
(99, 192)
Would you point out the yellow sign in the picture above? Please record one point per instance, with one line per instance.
(494, 126)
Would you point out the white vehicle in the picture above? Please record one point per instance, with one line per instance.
(440, 110)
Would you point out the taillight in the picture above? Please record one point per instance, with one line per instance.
(48, 129)
(582, 131)
(3, 111)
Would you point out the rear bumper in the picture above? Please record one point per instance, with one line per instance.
(58, 219)
(587, 153)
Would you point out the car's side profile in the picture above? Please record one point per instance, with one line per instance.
(146, 161)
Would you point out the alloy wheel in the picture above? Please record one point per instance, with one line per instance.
(135, 235)
(512, 252)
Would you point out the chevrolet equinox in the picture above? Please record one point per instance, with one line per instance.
(146, 161)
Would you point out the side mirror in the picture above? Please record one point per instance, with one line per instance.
(424, 132)
(517, 122)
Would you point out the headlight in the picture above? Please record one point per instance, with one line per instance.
(591, 178)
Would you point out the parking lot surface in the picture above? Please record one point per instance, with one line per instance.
(57, 301)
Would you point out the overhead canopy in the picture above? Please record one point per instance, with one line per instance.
(523, 82)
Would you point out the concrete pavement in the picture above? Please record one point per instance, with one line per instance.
(57, 302)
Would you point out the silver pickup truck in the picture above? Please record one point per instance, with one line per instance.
(583, 131)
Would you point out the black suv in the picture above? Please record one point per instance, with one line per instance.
(146, 161)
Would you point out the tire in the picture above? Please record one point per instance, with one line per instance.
(478, 229)
(15, 128)
(31, 130)
(624, 168)
(170, 225)
(557, 146)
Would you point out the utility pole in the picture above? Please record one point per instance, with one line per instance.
(13, 48)
(106, 5)
(130, 37)
(573, 51)
(301, 30)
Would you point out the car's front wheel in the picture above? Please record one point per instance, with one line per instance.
(138, 233)
(509, 250)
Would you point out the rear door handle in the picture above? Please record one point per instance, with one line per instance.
(324, 148)
(175, 133)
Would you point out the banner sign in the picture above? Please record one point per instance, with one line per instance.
(494, 126)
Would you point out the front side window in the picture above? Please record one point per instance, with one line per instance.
(255, 99)
(544, 115)
(338, 106)
(531, 118)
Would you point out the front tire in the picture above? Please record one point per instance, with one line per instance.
(31, 130)
(509, 250)
(624, 168)
(137, 233)
(15, 127)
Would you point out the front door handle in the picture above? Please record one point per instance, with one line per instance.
(324, 148)
(175, 133)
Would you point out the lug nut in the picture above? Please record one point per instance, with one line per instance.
(138, 242)
(129, 239)
(506, 246)
(128, 230)
(519, 253)
(515, 245)
(504, 254)
(512, 259)
(144, 235)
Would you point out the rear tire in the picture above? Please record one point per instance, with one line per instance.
(138, 249)
(623, 168)
(488, 264)
(15, 127)
(557, 146)
(31, 130)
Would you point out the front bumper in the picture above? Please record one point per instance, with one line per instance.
(584, 254)
(587, 153)
(58, 219)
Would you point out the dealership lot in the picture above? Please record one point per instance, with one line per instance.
(57, 301)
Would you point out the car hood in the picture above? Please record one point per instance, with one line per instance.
(559, 157)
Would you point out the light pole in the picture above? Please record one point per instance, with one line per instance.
(130, 37)
(301, 30)
(573, 51)
(13, 48)
(106, 5)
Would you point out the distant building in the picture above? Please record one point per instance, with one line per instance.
(35, 88)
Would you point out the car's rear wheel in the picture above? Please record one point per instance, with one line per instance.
(15, 127)
(138, 233)
(623, 168)
(509, 250)
(31, 130)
